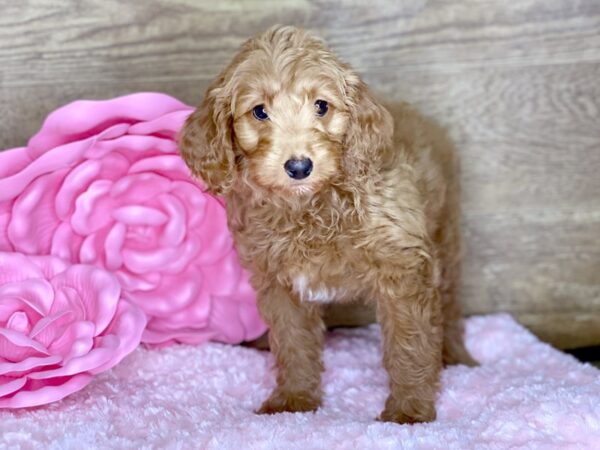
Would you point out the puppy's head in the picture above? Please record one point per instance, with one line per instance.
(285, 116)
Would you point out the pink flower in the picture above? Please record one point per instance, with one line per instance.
(59, 326)
(102, 183)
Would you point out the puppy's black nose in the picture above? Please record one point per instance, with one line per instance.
(298, 169)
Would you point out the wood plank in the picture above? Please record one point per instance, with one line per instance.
(85, 40)
(564, 330)
(523, 262)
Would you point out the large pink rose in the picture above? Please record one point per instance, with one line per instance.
(60, 324)
(102, 183)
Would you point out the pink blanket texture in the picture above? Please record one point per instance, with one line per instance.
(525, 395)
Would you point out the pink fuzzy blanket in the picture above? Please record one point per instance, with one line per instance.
(525, 395)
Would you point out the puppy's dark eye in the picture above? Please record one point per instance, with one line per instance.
(321, 107)
(260, 113)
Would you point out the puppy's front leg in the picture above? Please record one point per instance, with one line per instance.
(296, 340)
(409, 311)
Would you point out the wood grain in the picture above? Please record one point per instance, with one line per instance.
(516, 83)
(89, 40)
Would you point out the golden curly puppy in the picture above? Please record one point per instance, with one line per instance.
(330, 199)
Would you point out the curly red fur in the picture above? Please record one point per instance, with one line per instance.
(377, 219)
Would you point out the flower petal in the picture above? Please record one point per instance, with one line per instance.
(5, 215)
(98, 291)
(73, 340)
(21, 367)
(175, 230)
(66, 244)
(35, 294)
(48, 328)
(166, 260)
(13, 160)
(34, 220)
(49, 265)
(139, 215)
(19, 322)
(15, 267)
(53, 163)
(113, 246)
(139, 188)
(229, 318)
(9, 385)
(175, 293)
(87, 362)
(171, 166)
(160, 337)
(35, 393)
(91, 249)
(67, 300)
(92, 210)
(222, 278)
(137, 147)
(74, 183)
(121, 338)
(216, 240)
(128, 326)
(194, 314)
(17, 347)
(78, 343)
(167, 124)
(228, 321)
(138, 282)
(194, 199)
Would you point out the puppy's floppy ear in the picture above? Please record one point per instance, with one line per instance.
(370, 129)
(206, 140)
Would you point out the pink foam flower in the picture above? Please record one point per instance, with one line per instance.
(103, 184)
(60, 324)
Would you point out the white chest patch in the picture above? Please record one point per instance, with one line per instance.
(321, 295)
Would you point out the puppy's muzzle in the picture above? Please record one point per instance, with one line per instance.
(298, 169)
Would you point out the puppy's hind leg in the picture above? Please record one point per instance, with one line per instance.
(455, 351)
(296, 340)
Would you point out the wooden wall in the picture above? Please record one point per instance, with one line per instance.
(517, 83)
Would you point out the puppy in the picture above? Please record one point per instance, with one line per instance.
(330, 198)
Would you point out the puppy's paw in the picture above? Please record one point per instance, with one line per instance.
(282, 401)
(418, 412)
